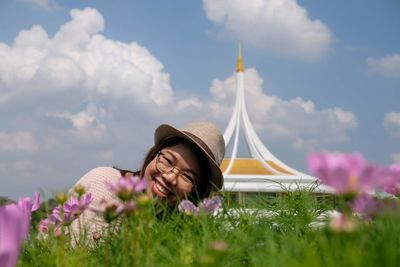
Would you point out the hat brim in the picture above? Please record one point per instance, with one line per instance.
(166, 131)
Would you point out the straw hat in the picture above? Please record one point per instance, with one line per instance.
(206, 137)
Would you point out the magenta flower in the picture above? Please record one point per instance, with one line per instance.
(26, 202)
(62, 217)
(187, 207)
(392, 180)
(211, 205)
(208, 206)
(14, 227)
(347, 174)
(126, 188)
(44, 226)
(127, 207)
(369, 206)
(76, 205)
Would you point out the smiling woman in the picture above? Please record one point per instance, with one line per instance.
(182, 164)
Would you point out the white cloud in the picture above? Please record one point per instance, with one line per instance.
(18, 141)
(78, 57)
(391, 122)
(85, 124)
(106, 155)
(395, 157)
(189, 102)
(388, 66)
(296, 120)
(44, 4)
(282, 26)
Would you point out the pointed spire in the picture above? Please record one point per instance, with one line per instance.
(239, 62)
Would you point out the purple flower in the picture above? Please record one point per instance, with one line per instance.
(392, 180)
(346, 173)
(44, 225)
(369, 206)
(211, 205)
(62, 217)
(14, 227)
(26, 202)
(127, 207)
(76, 205)
(364, 205)
(50, 223)
(125, 188)
(187, 207)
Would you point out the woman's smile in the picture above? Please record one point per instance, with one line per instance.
(160, 189)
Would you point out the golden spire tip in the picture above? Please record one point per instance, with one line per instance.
(239, 62)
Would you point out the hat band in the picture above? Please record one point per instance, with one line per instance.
(201, 143)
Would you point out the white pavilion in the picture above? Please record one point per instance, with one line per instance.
(261, 172)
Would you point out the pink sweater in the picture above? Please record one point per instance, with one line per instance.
(90, 222)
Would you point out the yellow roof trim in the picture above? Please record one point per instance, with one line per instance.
(252, 166)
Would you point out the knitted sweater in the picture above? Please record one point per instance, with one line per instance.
(90, 225)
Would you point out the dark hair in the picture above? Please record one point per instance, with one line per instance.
(202, 187)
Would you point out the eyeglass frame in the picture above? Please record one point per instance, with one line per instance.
(192, 181)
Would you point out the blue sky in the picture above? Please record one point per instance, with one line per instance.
(88, 84)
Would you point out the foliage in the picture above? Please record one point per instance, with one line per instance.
(295, 228)
(236, 237)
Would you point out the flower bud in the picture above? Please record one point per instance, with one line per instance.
(79, 190)
(143, 200)
(61, 198)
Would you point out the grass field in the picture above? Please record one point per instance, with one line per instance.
(275, 232)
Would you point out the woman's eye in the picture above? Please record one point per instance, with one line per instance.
(166, 160)
(187, 178)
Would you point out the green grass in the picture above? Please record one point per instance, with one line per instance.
(283, 237)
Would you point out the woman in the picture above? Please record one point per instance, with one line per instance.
(182, 164)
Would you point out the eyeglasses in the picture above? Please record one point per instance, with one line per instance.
(165, 165)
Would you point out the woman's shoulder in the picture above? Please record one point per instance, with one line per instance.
(99, 175)
(125, 172)
(104, 170)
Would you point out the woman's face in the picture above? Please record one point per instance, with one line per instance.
(173, 184)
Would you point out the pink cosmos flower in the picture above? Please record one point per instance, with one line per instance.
(44, 226)
(14, 227)
(369, 206)
(26, 202)
(126, 188)
(64, 215)
(392, 180)
(187, 207)
(346, 173)
(209, 206)
(127, 207)
(76, 205)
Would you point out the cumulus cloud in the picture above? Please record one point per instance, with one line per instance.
(391, 122)
(189, 103)
(296, 120)
(46, 83)
(281, 26)
(78, 57)
(18, 141)
(44, 4)
(395, 157)
(85, 124)
(388, 66)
